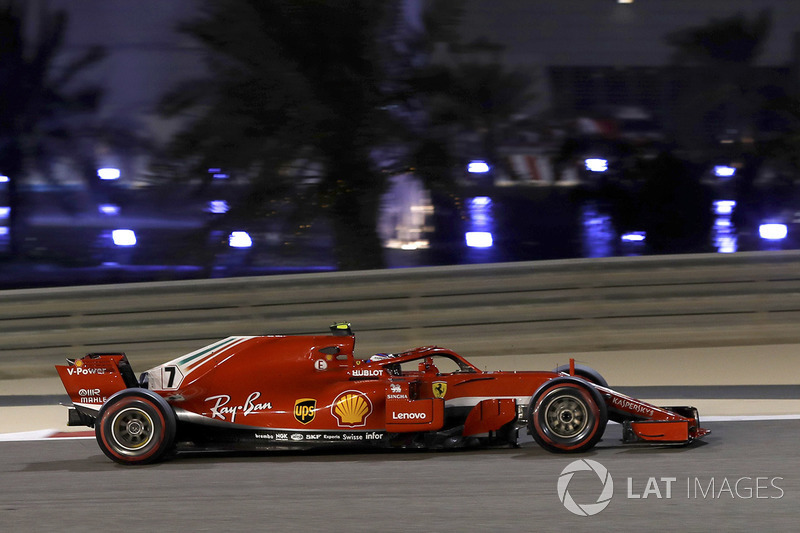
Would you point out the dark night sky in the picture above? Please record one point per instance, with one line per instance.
(603, 32)
(147, 56)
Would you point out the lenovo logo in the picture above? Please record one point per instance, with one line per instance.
(409, 416)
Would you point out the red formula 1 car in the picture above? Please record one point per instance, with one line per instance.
(277, 391)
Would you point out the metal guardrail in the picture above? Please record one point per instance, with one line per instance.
(477, 310)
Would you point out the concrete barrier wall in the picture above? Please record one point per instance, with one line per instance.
(478, 310)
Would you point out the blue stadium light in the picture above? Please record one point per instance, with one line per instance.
(3, 230)
(218, 174)
(479, 239)
(108, 173)
(724, 207)
(480, 201)
(595, 164)
(478, 167)
(217, 207)
(5, 211)
(724, 171)
(723, 222)
(240, 239)
(634, 236)
(773, 232)
(108, 209)
(124, 237)
(726, 244)
(4, 178)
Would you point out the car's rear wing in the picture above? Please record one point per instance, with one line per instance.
(89, 382)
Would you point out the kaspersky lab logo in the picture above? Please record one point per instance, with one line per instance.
(585, 509)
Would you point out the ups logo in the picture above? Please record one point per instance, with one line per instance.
(305, 409)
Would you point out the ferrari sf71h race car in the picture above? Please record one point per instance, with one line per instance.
(303, 391)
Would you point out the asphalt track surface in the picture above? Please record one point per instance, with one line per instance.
(744, 477)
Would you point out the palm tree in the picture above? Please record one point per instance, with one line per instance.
(293, 81)
(475, 98)
(332, 82)
(724, 97)
(36, 103)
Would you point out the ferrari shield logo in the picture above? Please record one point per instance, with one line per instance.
(439, 389)
(304, 410)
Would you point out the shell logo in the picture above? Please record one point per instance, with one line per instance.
(351, 409)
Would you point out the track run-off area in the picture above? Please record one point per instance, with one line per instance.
(745, 476)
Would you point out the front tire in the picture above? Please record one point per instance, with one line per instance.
(567, 415)
(135, 427)
(586, 372)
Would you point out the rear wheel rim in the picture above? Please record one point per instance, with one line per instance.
(132, 430)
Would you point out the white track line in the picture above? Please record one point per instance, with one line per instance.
(747, 418)
(27, 435)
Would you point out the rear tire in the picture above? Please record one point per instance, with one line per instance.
(135, 426)
(566, 415)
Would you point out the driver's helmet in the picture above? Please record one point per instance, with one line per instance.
(379, 357)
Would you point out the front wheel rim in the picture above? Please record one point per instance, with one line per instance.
(566, 417)
(132, 430)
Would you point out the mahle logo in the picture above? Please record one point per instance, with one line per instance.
(585, 509)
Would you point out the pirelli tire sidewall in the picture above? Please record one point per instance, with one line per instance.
(576, 406)
(136, 426)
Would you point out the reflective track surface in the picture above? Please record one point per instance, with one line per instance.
(745, 476)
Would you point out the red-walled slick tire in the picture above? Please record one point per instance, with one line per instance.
(135, 426)
(567, 415)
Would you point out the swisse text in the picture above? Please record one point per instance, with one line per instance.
(221, 407)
